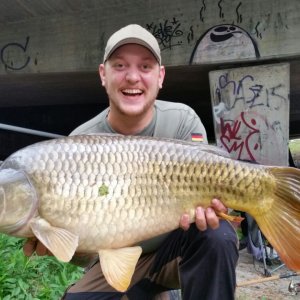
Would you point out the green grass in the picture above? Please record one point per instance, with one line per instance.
(34, 277)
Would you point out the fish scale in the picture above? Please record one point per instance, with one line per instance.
(106, 193)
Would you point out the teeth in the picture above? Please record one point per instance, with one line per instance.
(132, 91)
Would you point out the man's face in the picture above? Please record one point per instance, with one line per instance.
(132, 78)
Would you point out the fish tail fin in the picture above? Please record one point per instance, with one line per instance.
(281, 225)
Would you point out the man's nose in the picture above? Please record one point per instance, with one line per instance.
(132, 75)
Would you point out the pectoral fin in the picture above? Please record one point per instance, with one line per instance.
(118, 265)
(59, 241)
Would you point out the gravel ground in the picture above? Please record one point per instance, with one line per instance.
(271, 290)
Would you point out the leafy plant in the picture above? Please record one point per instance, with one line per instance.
(32, 278)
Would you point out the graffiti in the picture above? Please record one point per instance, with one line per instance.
(11, 53)
(245, 143)
(258, 34)
(167, 33)
(190, 36)
(273, 99)
(221, 14)
(239, 16)
(276, 22)
(224, 42)
(251, 112)
(279, 23)
(202, 10)
(250, 93)
(245, 136)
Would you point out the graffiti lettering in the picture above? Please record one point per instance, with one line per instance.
(251, 112)
(274, 100)
(250, 93)
(9, 53)
(166, 33)
(256, 90)
(231, 137)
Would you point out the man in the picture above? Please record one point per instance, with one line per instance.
(199, 258)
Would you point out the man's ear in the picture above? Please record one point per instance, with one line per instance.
(161, 76)
(102, 74)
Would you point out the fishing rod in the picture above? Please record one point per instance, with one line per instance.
(274, 277)
(29, 131)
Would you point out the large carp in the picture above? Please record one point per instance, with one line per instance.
(106, 193)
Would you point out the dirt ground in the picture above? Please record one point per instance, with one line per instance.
(271, 290)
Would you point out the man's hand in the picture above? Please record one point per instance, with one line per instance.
(204, 217)
(34, 245)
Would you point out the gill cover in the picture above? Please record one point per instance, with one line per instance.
(18, 200)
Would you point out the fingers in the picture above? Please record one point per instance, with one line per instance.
(211, 218)
(29, 246)
(185, 222)
(205, 218)
(41, 250)
(217, 205)
(33, 245)
(200, 219)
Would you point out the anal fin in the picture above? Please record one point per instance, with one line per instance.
(118, 265)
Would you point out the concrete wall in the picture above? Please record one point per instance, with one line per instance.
(251, 112)
(60, 39)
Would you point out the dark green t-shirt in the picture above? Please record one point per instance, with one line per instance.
(170, 120)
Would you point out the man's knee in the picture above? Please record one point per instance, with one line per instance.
(223, 234)
(221, 240)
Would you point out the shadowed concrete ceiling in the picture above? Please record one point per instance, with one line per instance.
(20, 10)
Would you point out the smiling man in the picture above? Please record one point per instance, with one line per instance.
(132, 78)
(199, 258)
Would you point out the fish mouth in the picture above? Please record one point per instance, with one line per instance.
(18, 200)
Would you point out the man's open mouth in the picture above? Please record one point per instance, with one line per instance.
(132, 92)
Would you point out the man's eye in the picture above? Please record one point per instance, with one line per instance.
(146, 67)
(119, 66)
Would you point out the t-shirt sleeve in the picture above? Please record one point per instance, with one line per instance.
(178, 121)
(191, 128)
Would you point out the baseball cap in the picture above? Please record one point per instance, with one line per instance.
(132, 34)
